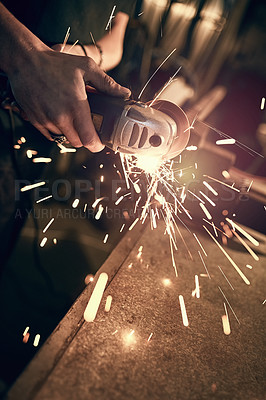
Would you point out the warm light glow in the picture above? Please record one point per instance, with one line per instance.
(88, 279)
(148, 164)
(166, 282)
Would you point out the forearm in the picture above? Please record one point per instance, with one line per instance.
(18, 44)
(111, 45)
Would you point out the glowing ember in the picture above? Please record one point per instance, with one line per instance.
(183, 310)
(43, 242)
(75, 203)
(44, 198)
(229, 258)
(96, 202)
(99, 212)
(241, 230)
(191, 148)
(26, 330)
(225, 141)
(226, 278)
(208, 186)
(149, 338)
(26, 338)
(207, 198)
(226, 174)
(195, 236)
(48, 225)
(31, 153)
(242, 241)
(197, 286)
(122, 227)
(42, 160)
(133, 224)
(33, 186)
(36, 340)
(206, 212)
(108, 303)
(226, 324)
(96, 297)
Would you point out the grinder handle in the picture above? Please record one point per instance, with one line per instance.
(105, 111)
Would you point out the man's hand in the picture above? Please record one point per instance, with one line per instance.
(51, 91)
(49, 86)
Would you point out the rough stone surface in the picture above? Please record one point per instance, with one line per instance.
(93, 361)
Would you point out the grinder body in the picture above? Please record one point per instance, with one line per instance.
(136, 128)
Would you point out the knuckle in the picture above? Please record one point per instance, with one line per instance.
(109, 82)
(89, 63)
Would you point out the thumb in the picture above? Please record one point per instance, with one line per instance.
(97, 78)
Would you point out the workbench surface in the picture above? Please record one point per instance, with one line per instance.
(107, 360)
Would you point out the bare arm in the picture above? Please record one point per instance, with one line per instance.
(50, 86)
(111, 44)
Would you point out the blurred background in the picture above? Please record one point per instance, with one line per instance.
(220, 47)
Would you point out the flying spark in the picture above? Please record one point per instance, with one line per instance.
(197, 288)
(225, 321)
(33, 186)
(109, 23)
(48, 225)
(42, 160)
(43, 242)
(241, 230)
(44, 198)
(225, 141)
(238, 270)
(36, 340)
(149, 338)
(183, 310)
(75, 203)
(96, 297)
(229, 305)
(155, 72)
(26, 330)
(108, 303)
(226, 278)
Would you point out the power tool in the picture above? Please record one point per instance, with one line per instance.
(159, 129)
